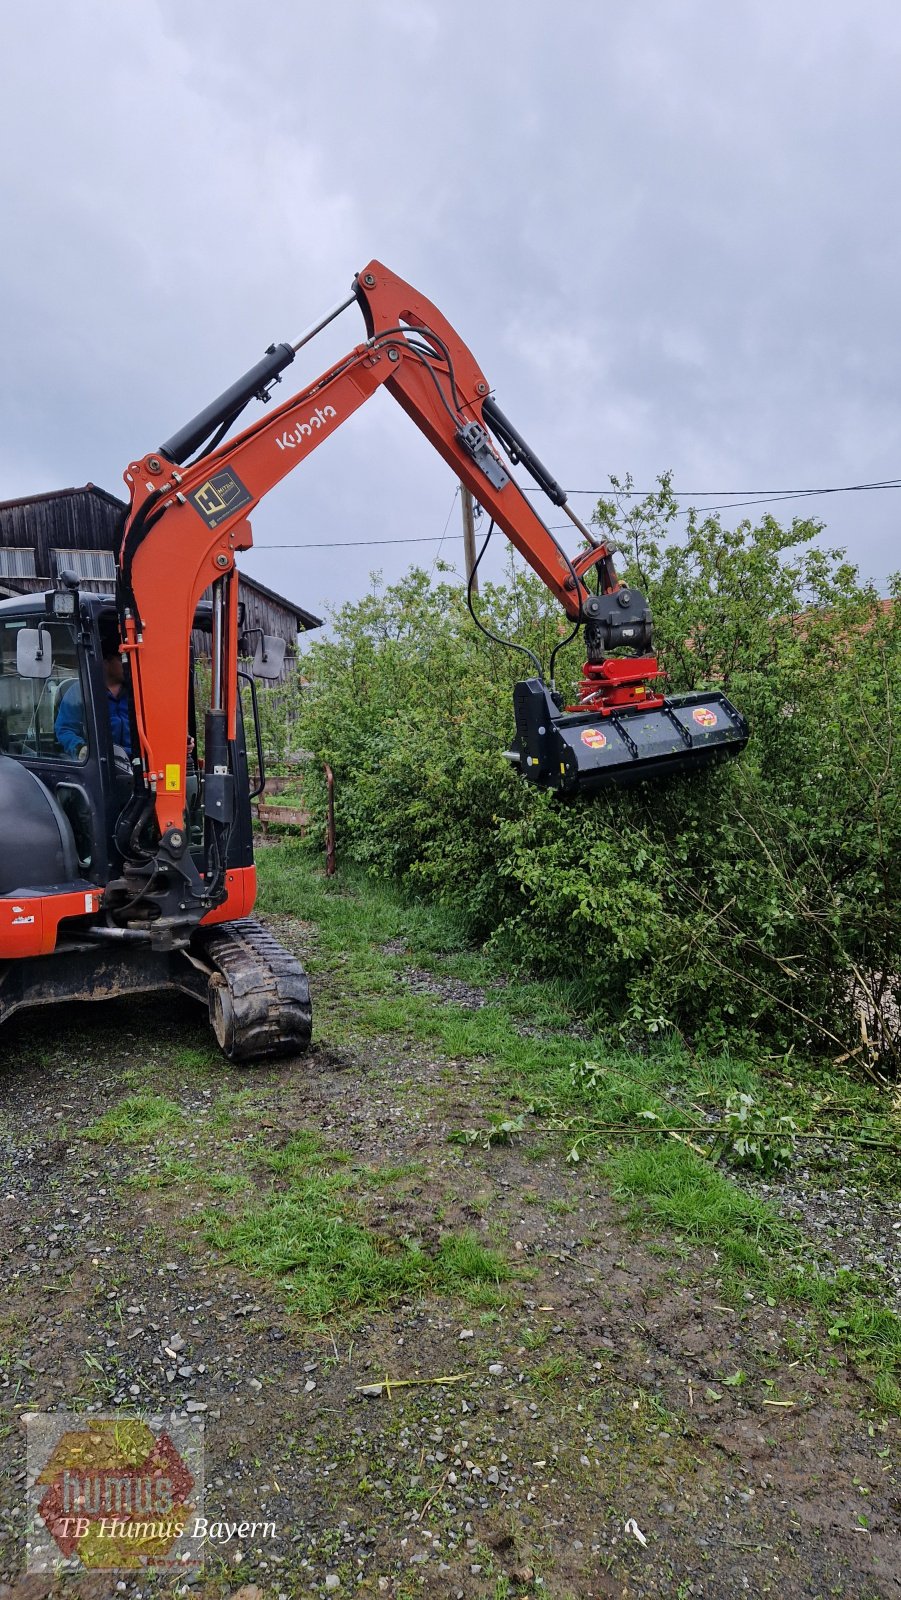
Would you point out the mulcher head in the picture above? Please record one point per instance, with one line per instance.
(579, 751)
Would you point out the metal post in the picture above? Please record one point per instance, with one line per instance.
(469, 536)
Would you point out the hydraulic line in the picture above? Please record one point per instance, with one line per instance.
(508, 644)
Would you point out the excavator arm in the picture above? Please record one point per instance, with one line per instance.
(188, 518)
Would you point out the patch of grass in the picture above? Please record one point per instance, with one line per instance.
(312, 1237)
(325, 1261)
(191, 1059)
(535, 1338)
(357, 916)
(226, 1182)
(463, 1261)
(689, 1194)
(328, 1261)
(168, 1172)
(486, 1297)
(873, 1334)
(554, 1370)
(232, 1104)
(136, 1120)
(386, 1177)
(303, 1151)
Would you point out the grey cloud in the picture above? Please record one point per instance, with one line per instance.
(668, 233)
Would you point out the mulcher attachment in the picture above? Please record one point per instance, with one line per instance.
(579, 751)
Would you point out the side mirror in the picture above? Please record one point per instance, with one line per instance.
(34, 653)
(269, 657)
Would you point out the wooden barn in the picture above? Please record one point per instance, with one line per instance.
(78, 530)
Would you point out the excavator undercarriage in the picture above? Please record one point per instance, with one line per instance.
(256, 992)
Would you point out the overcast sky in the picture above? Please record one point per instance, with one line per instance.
(668, 231)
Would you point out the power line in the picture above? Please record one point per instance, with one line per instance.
(793, 494)
(707, 494)
(353, 544)
(761, 497)
(457, 488)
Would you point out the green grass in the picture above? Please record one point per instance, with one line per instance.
(325, 1261)
(535, 1338)
(303, 1150)
(463, 1261)
(754, 1245)
(329, 1262)
(555, 1370)
(355, 916)
(170, 1172)
(191, 1059)
(398, 1173)
(136, 1119)
(689, 1194)
(639, 1095)
(233, 1104)
(311, 1236)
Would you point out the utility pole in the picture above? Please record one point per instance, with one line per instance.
(469, 536)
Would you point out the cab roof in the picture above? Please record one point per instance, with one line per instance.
(30, 605)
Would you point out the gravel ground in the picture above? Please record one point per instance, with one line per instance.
(854, 1230)
(452, 991)
(596, 1441)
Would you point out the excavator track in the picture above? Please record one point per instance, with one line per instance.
(259, 994)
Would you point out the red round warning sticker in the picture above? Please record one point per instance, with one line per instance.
(595, 737)
(705, 717)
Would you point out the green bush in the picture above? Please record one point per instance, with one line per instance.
(761, 897)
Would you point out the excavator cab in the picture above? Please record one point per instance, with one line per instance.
(56, 724)
(54, 746)
(65, 785)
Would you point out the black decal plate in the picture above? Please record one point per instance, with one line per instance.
(220, 497)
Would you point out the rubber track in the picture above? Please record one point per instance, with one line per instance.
(259, 993)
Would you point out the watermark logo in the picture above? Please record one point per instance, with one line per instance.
(112, 1493)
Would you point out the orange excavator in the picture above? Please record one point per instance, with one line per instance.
(127, 867)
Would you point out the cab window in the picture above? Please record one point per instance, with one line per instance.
(42, 718)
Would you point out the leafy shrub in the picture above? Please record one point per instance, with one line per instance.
(760, 898)
(756, 1138)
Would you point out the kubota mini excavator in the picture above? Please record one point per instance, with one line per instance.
(123, 874)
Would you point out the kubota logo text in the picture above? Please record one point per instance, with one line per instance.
(290, 439)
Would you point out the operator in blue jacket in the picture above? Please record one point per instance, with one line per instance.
(69, 724)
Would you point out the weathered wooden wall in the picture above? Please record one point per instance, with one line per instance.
(91, 519)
